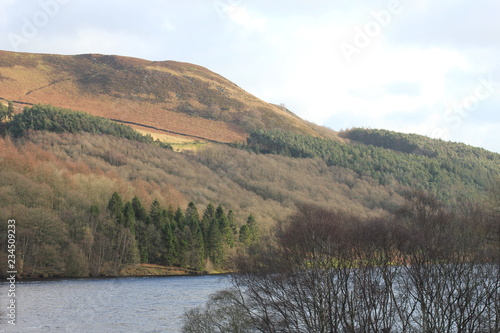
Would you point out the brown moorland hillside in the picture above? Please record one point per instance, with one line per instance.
(173, 96)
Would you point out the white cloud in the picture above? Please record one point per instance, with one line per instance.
(428, 126)
(426, 68)
(167, 25)
(327, 85)
(479, 135)
(288, 52)
(4, 16)
(246, 18)
(95, 40)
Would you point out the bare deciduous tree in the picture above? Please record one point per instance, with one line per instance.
(426, 269)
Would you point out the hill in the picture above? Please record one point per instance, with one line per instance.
(452, 171)
(60, 188)
(93, 197)
(165, 96)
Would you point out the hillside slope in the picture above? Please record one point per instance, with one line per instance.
(172, 96)
(452, 171)
(58, 187)
(92, 197)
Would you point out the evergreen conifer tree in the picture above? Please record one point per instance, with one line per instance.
(179, 219)
(249, 232)
(129, 217)
(198, 250)
(214, 245)
(140, 212)
(115, 207)
(170, 245)
(192, 216)
(233, 231)
(156, 215)
(207, 220)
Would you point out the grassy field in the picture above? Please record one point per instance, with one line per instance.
(180, 143)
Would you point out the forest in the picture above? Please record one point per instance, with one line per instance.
(450, 170)
(68, 230)
(92, 197)
(70, 225)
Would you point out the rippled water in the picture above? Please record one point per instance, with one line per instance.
(107, 305)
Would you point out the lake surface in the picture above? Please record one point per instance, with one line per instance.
(152, 304)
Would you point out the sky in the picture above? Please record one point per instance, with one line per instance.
(414, 66)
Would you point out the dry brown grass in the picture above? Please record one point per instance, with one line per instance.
(169, 95)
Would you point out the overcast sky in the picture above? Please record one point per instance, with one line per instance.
(416, 66)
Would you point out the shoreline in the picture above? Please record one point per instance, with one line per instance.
(107, 277)
(136, 271)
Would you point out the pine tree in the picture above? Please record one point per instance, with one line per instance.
(214, 244)
(233, 231)
(249, 233)
(169, 214)
(192, 216)
(140, 212)
(224, 227)
(254, 231)
(156, 216)
(115, 207)
(129, 217)
(221, 218)
(184, 240)
(179, 219)
(170, 246)
(143, 241)
(198, 249)
(245, 234)
(206, 221)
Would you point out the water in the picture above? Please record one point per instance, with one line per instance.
(107, 305)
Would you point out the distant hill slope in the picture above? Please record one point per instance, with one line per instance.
(452, 171)
(173, 96)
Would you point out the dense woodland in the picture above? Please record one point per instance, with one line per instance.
(59, 188)
(91, 200)
(70, 224)
(451, 170)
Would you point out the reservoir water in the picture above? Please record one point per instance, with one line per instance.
(150, 304)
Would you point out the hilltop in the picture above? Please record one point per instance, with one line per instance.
(170, 97)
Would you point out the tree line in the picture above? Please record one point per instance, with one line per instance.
(48, 118)
(417, 144)
(389, 158)
(97, 241)
(173, 237)
(426, 268)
